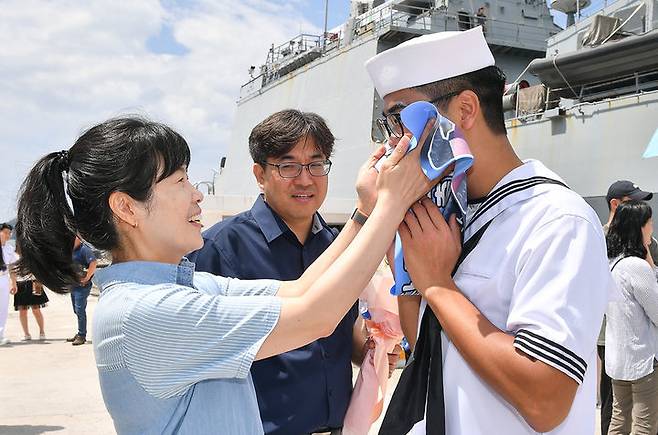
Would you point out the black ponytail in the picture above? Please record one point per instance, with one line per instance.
(127, 155)
(44, 225)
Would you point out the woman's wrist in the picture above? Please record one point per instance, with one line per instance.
(391, 205)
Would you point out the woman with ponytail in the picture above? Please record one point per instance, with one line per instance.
(173, 347)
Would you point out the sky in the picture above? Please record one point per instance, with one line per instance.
(67, 65)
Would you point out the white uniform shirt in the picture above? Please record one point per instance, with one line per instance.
(540, 273)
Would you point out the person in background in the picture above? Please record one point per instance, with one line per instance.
(29, 293)
(618, 192)
(7, 277)
(85, 260)
(632, 322)
(307, 389)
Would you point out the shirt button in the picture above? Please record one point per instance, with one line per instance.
(330, 392)
(325, 354)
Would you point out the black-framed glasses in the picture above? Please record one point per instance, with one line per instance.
(319, 168)
(391, 124)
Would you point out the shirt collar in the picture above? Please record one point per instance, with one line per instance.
(147, 273)
(271, 225)
(520, 184)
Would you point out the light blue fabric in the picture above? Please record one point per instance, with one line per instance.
(443, 147)
(173, 348)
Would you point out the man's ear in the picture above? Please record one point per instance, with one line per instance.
(259, 174)
(469, 108)
(124, 208)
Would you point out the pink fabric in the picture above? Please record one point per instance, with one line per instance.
(384, 328)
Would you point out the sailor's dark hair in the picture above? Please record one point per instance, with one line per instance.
(487, 83)
(625, 232)
(127, 154)
(277, 134)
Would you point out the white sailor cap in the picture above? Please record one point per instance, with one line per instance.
(429, 58)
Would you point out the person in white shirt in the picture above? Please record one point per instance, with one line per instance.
(7, 277)
(521, 314)
(618, 192)
(632, 322)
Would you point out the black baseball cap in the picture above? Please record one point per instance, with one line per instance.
(625, 188)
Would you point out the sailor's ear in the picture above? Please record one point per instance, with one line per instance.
(468, 105)
(259, 174)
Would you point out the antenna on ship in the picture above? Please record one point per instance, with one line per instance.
(570, 7)
(324, 35)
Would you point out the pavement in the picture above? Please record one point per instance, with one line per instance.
(51, 387)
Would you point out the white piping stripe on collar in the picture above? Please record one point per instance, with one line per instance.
(505, 197)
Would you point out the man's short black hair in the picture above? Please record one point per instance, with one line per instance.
(487, 83)
(6, 226)
(281, 131)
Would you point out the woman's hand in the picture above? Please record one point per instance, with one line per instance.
(401, 180)
(431, 245)
(366, 182)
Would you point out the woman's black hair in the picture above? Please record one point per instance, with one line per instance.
(3, 265)
(625, 233)
(128, 154)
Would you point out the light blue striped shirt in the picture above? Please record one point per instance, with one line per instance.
(173, 348)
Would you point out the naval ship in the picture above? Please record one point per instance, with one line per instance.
(583, 99)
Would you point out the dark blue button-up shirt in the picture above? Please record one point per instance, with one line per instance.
(309, 388)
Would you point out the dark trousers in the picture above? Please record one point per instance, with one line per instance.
(605, 389)
(79, 297)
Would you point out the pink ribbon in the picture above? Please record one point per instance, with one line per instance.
(384, 329)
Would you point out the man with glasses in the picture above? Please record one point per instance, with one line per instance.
(308, 389)
(507, 336)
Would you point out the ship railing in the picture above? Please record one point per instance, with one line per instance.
(503, 32)
(290, 55)
(252, 86)
(382, 20)
(555, 100)
(299, 44)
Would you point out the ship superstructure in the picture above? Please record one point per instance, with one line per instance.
(325, 74)
(594, 117)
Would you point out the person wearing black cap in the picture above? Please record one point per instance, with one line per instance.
(623, 190)
(620, 191)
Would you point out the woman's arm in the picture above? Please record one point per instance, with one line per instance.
(334, 281)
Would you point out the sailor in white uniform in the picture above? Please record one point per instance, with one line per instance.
(520, 317)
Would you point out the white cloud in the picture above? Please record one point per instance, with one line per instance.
(68, 64)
